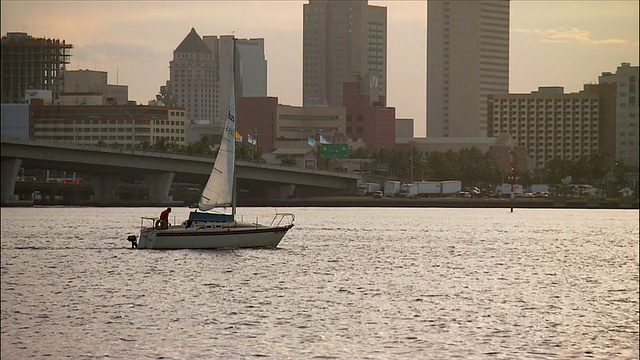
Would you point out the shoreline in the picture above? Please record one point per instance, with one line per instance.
(361, 201)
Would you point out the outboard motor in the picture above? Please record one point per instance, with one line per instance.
(134, 241)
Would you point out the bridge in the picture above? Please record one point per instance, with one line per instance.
(107, 166)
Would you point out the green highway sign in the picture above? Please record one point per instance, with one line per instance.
(334, 150)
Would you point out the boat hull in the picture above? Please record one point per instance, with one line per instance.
(219, 238)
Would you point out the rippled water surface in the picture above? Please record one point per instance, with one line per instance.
(374, 283)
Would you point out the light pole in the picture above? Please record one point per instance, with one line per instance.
(512, 180)
(411, 162)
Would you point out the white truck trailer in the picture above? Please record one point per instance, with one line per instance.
(391, 188)
(408, 190)
(451, 187)
(367, 188)
(429, 188)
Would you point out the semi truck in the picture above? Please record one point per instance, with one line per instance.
(505, 189)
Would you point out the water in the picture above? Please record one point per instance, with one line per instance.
(345, 283)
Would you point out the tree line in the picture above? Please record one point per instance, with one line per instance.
(469, 165)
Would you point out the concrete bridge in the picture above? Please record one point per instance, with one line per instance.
(106, 166)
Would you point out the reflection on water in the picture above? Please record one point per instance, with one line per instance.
(344, 283)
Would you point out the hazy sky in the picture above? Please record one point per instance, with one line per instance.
(553, 43)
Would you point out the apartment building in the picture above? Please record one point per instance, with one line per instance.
(550, 123)
(31, 63)
(626, 123)
(125, 126)
(343, 41)
(467, 59)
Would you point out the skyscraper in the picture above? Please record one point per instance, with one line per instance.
(253, 67)
(343, 41)
(192, 78)
(200, 75)
(467, 59)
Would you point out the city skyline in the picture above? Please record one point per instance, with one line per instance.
(568, 43)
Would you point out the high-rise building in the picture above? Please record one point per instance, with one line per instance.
(201, 75)
(32, 63)
(343, 41)
(253, 67)
(192, 78)
(626, 123)
(467, 59)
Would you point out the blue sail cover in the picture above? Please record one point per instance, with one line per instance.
(205, 216)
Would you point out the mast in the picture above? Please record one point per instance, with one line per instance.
(233, 93)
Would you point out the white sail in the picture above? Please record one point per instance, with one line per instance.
(219, 189)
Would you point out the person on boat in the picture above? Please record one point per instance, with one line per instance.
(164, 218)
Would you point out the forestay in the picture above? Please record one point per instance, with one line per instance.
(219, 189)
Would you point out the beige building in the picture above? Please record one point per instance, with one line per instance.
(124, 126)
(343, 41)
(627, 114)
(192, 79)
(467, 59)
(550, 123)
(295, 125)
(79, 83)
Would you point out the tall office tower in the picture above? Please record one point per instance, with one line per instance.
(32, 63)
(467, 59)
(343, 41)
(192, 78)
(627, 125)
(253, 67)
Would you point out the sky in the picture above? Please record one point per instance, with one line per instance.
(552, 43)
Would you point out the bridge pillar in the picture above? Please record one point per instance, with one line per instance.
(104, 186)
(158, 186)
(10, 168)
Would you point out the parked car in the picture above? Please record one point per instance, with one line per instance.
(378, 194)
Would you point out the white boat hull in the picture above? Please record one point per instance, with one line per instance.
(179, 237)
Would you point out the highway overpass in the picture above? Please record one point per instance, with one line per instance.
(106, 166)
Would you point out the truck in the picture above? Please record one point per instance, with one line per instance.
(429, 188)
(391, 188)
(367, 188)
(540, 188)
(505, 189)
(408, 190)
(450, 187)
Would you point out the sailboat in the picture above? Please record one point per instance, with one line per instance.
(206, 229)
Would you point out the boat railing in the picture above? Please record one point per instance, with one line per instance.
(282, 219)
(148, 222)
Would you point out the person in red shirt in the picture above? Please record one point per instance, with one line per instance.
(164, 218)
